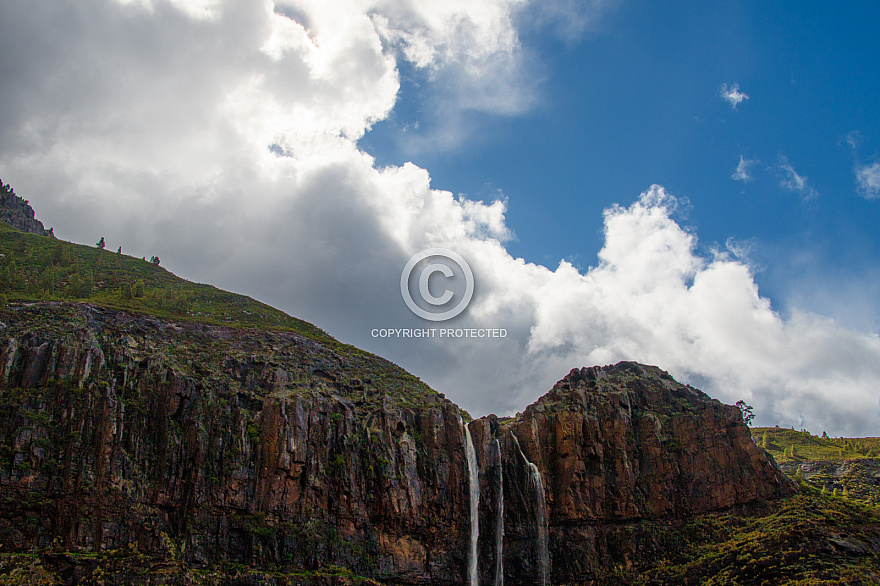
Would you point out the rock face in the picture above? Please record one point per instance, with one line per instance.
(217, 445)
(18, 213)
(617, 448)
(222, 445)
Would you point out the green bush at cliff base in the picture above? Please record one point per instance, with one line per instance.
(807, 539)
(121, 567)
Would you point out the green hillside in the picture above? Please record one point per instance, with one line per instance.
(40, 268)
(844, 467)
(789, 445)
(37, 268)
(806, 540)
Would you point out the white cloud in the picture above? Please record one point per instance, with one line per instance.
(161, 129)
(742, 169)
(732, 95)
(653, 299)
(436, 34)
(471, 57)
(794, 182)
(868, 180)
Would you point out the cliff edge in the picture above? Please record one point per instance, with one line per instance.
(18, 213)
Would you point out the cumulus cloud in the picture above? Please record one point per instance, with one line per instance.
(466, 59)
(868, 180)
(703, 318)
(792, 181)
(732, 95)
(742, 169)
(222, 137)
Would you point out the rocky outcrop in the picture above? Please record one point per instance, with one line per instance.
(621, 450)
(212, 445)
(16, 212)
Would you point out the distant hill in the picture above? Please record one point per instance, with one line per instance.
(37, 268)
(790, 445)
(847, 467)
(41, 268)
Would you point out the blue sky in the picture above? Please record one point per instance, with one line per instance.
(597, 163)
(636, 100)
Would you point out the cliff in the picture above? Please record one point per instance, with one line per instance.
(158, 431)
(214, 445)
(618, 450)
(222, 445)
(18, 214)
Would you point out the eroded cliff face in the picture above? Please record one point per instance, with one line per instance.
(211, 445)
(222, 445)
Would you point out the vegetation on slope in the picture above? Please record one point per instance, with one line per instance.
(789, 445)
(848, 467)
(807, 539)
(37, 268)
(50, 568)
(810, 539)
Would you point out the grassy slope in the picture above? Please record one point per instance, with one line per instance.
(846, 466)
(810, 447)
(39, 268)
(807, 539)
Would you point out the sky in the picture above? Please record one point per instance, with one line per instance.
(689, 185)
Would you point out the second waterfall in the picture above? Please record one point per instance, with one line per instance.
(474, 485)
(543, 529)
(499, 519)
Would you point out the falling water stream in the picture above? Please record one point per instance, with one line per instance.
(543, 529)
(499, 521)
(474, 485)
(540, 518)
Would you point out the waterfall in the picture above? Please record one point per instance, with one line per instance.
(474, 485)
(543, 529)
(499, 521)
(540, 517)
